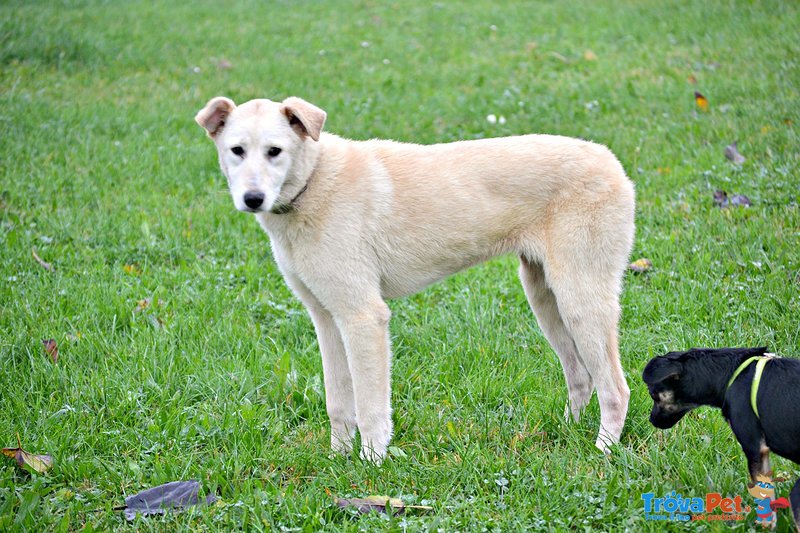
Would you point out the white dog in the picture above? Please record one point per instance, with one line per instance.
(355, 222)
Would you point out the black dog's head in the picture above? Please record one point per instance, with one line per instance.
(665, 379)
(680, 381)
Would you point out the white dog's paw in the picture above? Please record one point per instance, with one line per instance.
(375, 443)
(570, 414)
(342, 441)
(373, 455)
(603, 446)
(604, 443)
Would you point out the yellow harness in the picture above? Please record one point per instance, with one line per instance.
(762, 362)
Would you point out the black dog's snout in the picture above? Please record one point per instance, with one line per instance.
(253, 200)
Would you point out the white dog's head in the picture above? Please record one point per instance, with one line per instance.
(264, 148)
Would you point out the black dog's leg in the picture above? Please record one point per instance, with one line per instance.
(757, 460)
(755, 450)
(794, 500)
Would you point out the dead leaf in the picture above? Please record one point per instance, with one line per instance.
(141, 305)
(381, 504)
(641, 265)
(722, 200)
(692, 79)
(133, 270)
(558, 56)
(173, 496)
(732, 153)
(741, 200)
(51, 347)
(28, 461)
(588, 55)
(47, 266)
(701, 101)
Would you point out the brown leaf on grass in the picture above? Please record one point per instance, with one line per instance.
(741, 200)
(141, 305)
(701, 101)
(28, 461)
(381, 504)
(589, 55)
(174, 496)
(732, 153)
(146, 303)
(641, 265)
(557, 56)
(51, 348)
(721, 199)
(47, 266)
(692, 79)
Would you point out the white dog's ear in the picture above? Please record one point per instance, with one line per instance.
(213, 116)
(307, 118)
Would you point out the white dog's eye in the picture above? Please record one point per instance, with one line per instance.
(272, 152)
(238, 150)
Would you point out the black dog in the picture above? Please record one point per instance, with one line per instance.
(681, 381)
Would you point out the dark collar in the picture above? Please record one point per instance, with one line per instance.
(282, 209)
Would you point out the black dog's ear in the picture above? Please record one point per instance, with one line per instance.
(751, 352)
(661, 368)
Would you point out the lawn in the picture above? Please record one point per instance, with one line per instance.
(182, 354)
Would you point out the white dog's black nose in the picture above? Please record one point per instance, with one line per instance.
(253, 199)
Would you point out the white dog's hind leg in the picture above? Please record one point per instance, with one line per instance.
(339, 398)
(543, 304)
(365, 333)
(590, 312)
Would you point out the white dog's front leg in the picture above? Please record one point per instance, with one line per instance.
(366, 339)
(339, 399)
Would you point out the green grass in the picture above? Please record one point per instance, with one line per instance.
(106, 176)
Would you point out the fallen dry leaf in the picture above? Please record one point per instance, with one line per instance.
(51, 348)
(641, 265)
(382, 504)
(173, 496)
(28, 461)
(588, 55)
(732, 153)
(141, 305)
(741, 200)
(701, 101)
(47, 266)
(721, 199)
(558, 56)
